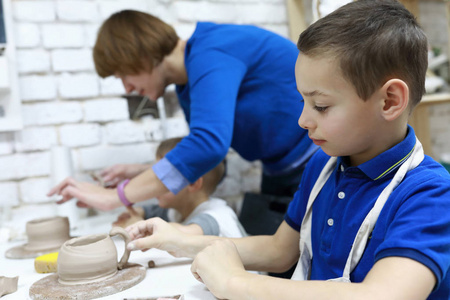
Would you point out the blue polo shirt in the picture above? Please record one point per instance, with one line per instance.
(241, 93)
(414, 223)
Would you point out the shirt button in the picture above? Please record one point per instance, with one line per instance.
(341, 195)
(342, 168)
(330, 222)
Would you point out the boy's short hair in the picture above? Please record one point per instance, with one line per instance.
(374, 41)
(210, 179)
(130, 41)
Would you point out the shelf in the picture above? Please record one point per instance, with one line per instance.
(10, 104)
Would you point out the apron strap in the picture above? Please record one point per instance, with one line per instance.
(302, 272)
(362, 237)
(303, 269)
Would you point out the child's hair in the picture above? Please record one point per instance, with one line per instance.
(131, 41)
(210, 179)
(373, 41)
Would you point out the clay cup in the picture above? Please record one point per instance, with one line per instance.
(91, 258)
(47, 233)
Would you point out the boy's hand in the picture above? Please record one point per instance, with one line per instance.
(216, 265)
(117, 173)
(156, 233)
(88, 194)
(130, 217)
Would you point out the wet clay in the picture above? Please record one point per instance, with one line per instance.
(133, 217)
(50, 288)
(8, 285)
(91, 258)
(44, 236)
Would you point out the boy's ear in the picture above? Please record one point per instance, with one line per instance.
(196, 186)
(395, 93)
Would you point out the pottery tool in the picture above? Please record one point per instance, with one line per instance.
(46, 263)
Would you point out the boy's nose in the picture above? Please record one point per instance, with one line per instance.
(303, 121)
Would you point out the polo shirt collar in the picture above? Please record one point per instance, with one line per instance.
(388, 161)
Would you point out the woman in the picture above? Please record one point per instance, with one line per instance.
(236, 86)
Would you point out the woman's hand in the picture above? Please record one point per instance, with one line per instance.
(217, 265)
(88, 194)
(117, 173)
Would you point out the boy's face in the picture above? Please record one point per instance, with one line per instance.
(150, 84)
(170, 200)
(336, 118)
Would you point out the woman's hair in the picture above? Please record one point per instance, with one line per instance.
(131, 41)
(373, 41)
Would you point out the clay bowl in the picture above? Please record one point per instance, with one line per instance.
(91, 258)
(47, 233)
(44, 235)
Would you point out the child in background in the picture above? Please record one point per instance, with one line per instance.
(192, 210)
(371, 217)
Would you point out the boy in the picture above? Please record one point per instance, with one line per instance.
(192, 210)
(361, 71)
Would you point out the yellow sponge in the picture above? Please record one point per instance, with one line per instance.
(46, 263)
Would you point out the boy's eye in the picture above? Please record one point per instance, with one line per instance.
(320, 108)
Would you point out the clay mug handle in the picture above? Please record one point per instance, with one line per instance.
(122, 232)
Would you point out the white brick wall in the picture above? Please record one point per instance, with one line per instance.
(27, 35)
(33, 61)
(37, 87)
(126, 132)
(111, 86)
(34, 11)
(34, 190)
(9, 194)
(94, 158)
(20, 166)
(62, 35)
(106, 110)
(51, 113)
(6, 143)
(31, 139)
(80, 85)
(80, 135)
(72, 60)
(86, 11)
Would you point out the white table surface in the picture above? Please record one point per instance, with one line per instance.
(171, 276)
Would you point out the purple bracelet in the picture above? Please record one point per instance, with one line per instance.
(121, 193)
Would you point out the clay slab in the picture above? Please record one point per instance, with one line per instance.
(49, 287)
(8, 285)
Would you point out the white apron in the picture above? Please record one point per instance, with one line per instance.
(303, 269)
